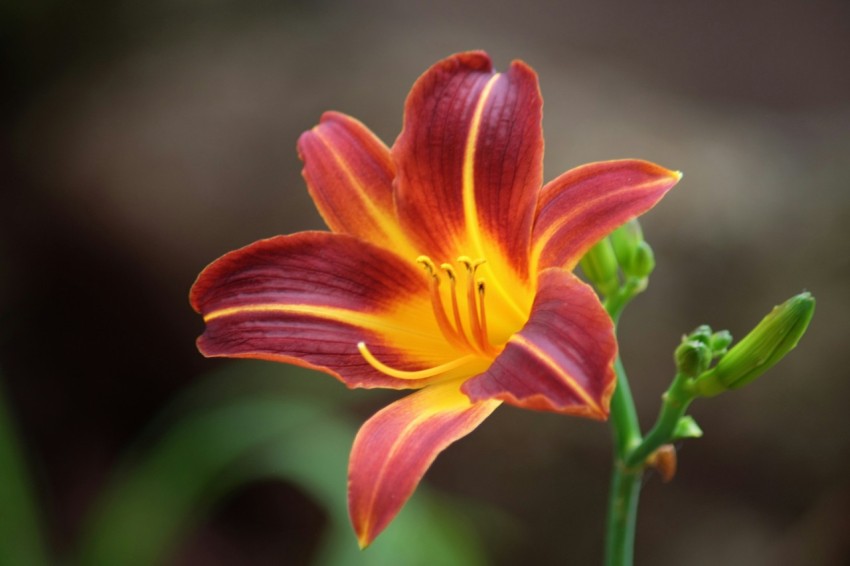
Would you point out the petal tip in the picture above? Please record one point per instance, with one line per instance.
(363, 540)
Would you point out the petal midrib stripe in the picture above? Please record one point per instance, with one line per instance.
(386, 223)
(375, 322)
(470, 206)
(541, 356)
(543, 238)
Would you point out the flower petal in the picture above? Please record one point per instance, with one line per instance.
(309, 298)
(585, 204)
(562, 360)
(349, 174)
(469, 160)
(394, 449)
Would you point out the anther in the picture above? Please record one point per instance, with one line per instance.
(483, 339)
(429, 266)
(471, 265)
(450, 271)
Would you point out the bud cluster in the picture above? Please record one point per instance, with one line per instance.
(624, 252)
(699, 348)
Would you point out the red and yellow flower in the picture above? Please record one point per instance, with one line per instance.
(447, 269)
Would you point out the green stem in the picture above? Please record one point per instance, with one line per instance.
(624, 418)
(675, 402)
(622, 516)
(625, 481)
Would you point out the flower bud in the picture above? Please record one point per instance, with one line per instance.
(643, 261)
(702, 334)
(692, 357)
(624, 240)
(776, 335)
(720, 341)
(599, 264)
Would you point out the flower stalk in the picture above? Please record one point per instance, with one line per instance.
(625, 480)
(771, 340)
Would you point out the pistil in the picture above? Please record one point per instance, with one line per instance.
(415, 374)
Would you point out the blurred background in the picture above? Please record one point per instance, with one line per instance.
(140, 141)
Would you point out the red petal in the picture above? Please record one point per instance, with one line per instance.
(394, 449)
(309, 298)
(585, 204)
(469, 159)
(562, 360)
(350, 174)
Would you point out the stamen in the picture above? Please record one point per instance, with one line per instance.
(418, 374)
(447, 267)
(455, 337)
(474, 337)
(474, 309)
(483, 339)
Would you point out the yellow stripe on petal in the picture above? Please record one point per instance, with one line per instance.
(470, 208)
(375, 322)
(391, 233)
(561, 360)
(581, 209)
(395, 448)
(585, 204)
(547, 361)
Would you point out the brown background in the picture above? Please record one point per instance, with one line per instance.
(142, 140)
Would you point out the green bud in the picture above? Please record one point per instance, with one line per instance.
(625, 239)
(702, 334)
(599, 264)
(776, 335)
(692, 357)
(643, 261)
(720, 342)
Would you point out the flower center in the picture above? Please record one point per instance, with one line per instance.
(460, 313)
(472, 336)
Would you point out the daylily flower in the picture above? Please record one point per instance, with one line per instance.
(447, 270)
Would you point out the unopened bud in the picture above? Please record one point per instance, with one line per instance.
(702, 334)
(643, 261)
(692, 357)
(624, 240)
(776, 335)
(599, 264)
(720, 341)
